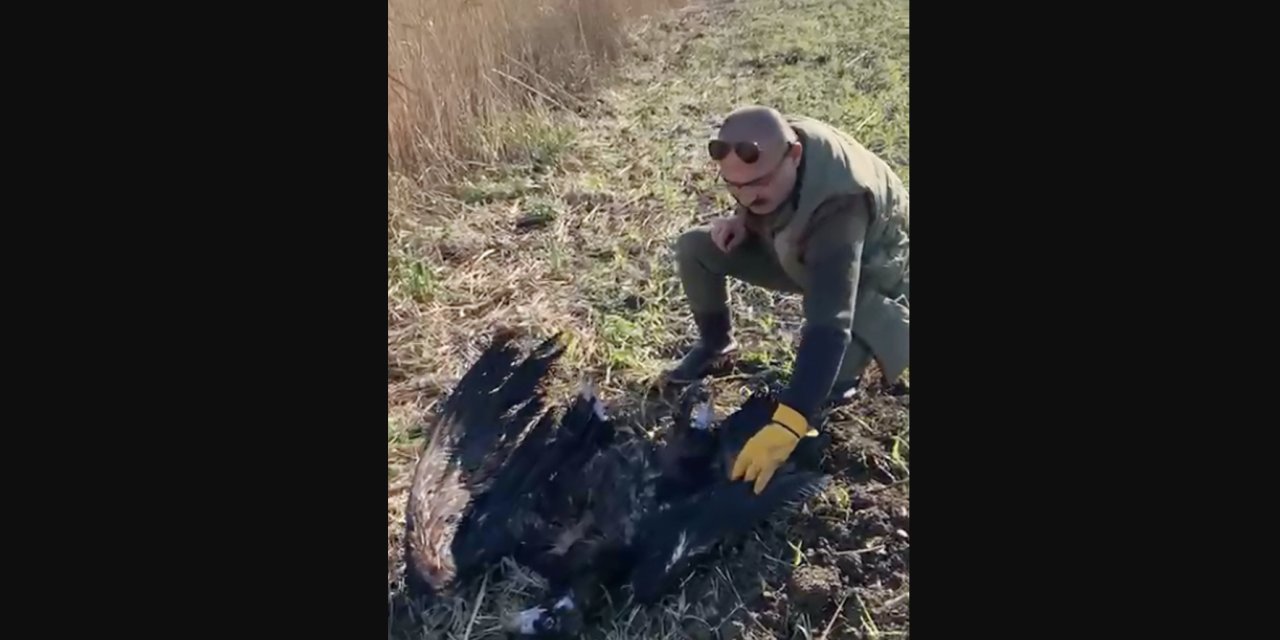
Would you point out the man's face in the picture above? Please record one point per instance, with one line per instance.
(763, 185)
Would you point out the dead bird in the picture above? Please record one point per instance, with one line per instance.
(591, 506)
(669, 506)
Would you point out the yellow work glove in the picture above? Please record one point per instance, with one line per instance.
(768, 449)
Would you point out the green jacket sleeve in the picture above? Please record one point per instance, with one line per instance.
(832, 256)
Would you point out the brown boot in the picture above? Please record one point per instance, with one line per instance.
(715, 344)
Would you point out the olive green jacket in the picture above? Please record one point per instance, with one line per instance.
(843, 238)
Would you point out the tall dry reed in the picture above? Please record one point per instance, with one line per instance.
(457, 69)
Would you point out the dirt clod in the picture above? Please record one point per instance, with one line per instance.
(812, 588)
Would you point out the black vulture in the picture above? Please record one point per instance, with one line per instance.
(580, 500)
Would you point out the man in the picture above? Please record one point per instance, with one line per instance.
(820, 215)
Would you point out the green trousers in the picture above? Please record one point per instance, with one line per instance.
(703, 269)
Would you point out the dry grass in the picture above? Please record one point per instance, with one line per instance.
(606, 183)
(458, 69)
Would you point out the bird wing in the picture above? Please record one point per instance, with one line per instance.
(467, 442)
(668, 541)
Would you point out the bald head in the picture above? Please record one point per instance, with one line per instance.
(761, 125)
(758, 181)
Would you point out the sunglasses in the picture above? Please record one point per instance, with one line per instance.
(748, 152)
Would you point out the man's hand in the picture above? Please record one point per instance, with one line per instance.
(728, 233)
(768, 449)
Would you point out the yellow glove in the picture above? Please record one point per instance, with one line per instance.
(768, 449)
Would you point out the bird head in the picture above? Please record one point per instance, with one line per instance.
(558, 619)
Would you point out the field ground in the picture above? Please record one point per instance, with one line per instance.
(575, 233)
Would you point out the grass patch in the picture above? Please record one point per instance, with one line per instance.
(463, 75)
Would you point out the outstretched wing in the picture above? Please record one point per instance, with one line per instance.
(492, 404)
(667, 542)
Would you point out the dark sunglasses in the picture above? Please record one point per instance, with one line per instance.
(748, 152)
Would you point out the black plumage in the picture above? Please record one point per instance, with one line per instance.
(467, 472)
(583, 502)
